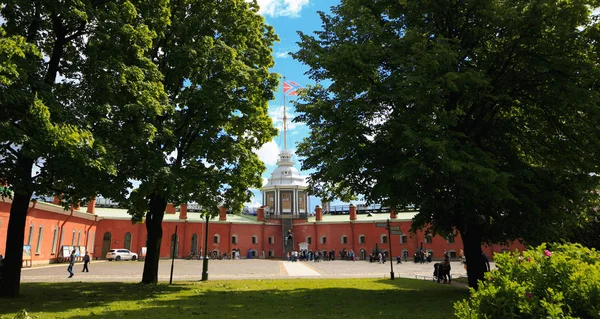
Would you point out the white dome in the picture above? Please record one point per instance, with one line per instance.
(286, 174)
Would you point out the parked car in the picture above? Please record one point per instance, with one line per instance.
(121, 254)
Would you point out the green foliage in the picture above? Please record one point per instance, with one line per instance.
(482, 114)
(560, 281)
(215, 58)
(55, 109)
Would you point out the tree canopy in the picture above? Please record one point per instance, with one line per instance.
(484, 115)
(67, 71)
(215, 58)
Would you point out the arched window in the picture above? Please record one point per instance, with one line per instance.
(54, 239)
(383, 239)
(271, 253)
(127, 241)
(450, 239)
(234, 239)
(323, 239)
(62, 236)
(361, 239)
(79, 238)
(403, 239)
(30, 238)
(216, 239)
(73, 238)
(271, 240)
(93, 236)
(255, 239)
(39, 241)
(308, 240)
(195, 243)
(344, 239)
(428, 239)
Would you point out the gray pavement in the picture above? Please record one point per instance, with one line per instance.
(191, 270)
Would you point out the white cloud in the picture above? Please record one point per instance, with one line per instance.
(268, 153)
(282, 8)
(282, 55)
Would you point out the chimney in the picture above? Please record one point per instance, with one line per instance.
(170, 209)
(183, 211)
(222, 213)
(76, 206)
(352, 212)
(260, 214)
(319, 213)
(91, 206)
(56, 200)
(393, 214)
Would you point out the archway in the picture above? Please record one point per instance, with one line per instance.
(106, 244)
(127, 241)
(363, 254)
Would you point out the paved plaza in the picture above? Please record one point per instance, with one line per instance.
(191, 270)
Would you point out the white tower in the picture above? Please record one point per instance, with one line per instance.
(285, 192)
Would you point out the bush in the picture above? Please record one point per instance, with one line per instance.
(561, 281)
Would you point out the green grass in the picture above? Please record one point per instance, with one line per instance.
(291, 298)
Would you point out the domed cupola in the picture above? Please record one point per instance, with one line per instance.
(285, 191)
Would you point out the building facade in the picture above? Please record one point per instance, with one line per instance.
(282, 224)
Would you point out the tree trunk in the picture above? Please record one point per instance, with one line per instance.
(154, 228)
(471, 237)
(13, 261)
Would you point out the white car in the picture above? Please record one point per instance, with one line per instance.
(121, 254)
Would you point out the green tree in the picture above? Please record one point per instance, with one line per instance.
(52, 56)
(484, 115)
(215, 58)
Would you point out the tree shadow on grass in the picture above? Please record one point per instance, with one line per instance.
(63, 297)
(298, 298)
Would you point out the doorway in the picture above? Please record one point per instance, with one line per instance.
(106, 244)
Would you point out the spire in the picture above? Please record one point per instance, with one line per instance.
(284, 120)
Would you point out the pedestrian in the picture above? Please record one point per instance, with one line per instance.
(71, 264)
(86, 261)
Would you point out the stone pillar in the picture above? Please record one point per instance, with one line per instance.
(352, 212)
(222, 213)
(319, 213)
(393, 214)
(260, 214)
(170, 209)
(183, 211)
(91, 206)
(76, 206)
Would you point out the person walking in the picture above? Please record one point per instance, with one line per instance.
(86, 261)
(71, 264)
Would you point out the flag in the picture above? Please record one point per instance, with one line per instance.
(291, 88)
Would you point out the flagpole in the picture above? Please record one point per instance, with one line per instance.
(284, 120)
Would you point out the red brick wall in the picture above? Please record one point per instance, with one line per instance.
(48, 221)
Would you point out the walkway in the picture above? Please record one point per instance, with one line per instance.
(298, 269)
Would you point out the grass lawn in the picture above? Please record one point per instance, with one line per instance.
(290, 298)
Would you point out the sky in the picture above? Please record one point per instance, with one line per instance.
(287, 17)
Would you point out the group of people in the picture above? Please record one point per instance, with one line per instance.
(73, 258)
(234, 254)
(317, 256)
(422, 256)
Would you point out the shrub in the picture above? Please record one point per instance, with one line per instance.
(561, 281)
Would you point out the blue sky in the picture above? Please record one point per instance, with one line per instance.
(288, 17)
